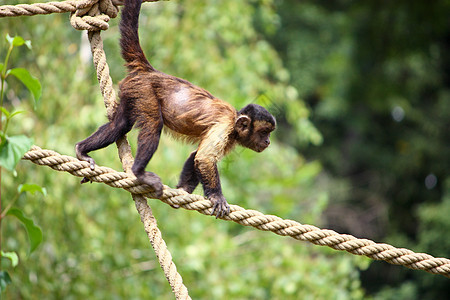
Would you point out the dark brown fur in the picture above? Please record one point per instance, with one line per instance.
(151, 99)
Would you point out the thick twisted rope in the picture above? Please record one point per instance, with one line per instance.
(93, 16)
(38, 8)
(51, 7)
(277, 225)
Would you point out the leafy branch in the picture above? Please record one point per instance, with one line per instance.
(12, 149)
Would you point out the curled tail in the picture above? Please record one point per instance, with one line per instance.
(129, 38)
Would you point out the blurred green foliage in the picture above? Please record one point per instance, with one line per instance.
(94, 243)
(376, 76)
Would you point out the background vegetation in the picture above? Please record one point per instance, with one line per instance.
(361, 94)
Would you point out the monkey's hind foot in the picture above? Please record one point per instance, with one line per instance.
(84, 157)
(90, 160)
(220, 206)
(153, 181)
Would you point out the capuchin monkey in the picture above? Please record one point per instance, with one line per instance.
(151, 99)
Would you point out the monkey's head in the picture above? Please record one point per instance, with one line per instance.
(253, 127)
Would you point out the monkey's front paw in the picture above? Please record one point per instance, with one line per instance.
(220, 206)
(152, 180)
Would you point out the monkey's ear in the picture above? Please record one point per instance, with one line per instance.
(243, 125)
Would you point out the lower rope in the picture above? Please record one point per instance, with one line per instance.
(277, 225)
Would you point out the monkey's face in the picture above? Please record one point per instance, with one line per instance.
(253, 126)
(254, 135)
(259, 136)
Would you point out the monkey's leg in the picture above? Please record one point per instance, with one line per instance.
(148, 141)
(210, 151)
(104, 136)
(189, 178)
(209, 176)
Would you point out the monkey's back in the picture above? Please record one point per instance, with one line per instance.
(187, 109)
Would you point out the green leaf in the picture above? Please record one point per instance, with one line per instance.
(5, 111)
(11, 256)
(1, 67)
(32, 188)
(5, 279)
(15, 41)
(18, 41)
(12, 150)
(17, 112)
(34, 232)
(31, 82)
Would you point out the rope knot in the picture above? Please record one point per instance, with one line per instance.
(93, 15)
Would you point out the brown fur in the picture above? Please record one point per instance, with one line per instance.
(151, 99)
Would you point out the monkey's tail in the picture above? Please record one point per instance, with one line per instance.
(129, 38)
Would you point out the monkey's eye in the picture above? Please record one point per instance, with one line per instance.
(264, 133)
